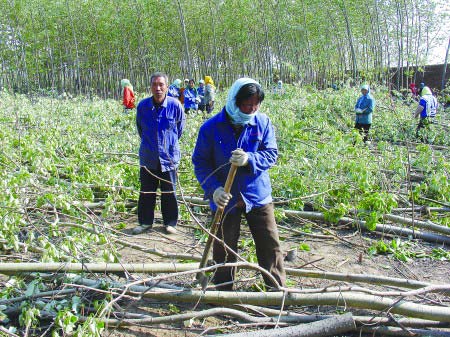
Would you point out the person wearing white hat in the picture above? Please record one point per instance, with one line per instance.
(363, 110)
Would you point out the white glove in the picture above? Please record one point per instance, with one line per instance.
(358, 110)
(239, 157)
(220, 197)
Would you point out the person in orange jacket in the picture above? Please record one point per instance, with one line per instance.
(128, 100)
(182, 89)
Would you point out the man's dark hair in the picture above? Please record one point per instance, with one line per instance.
(159, 74)
(247, 91)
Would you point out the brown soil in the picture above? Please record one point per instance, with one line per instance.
(347, 253)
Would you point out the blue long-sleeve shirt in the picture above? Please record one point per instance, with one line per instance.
(366, 103)
(173, 91)
(190, 97)
(216, 140)
(201, 94)
(160, 128)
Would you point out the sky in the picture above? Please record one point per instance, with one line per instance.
(438, 50)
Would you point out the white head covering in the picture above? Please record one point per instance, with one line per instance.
(125, 83)
(232, 109)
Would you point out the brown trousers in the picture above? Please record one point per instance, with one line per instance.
(264, 230)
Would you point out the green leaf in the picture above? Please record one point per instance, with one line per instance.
(304, 247)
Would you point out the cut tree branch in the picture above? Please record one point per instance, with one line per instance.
(328, 327)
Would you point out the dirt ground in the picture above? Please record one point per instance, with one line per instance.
(346, 253)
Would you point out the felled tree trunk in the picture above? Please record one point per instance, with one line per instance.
(380, 228)
(326, 327)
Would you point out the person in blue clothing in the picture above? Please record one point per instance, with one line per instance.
(426, 110)
(243, 136)
(363, 110)
(174, 89)
(160, 120)
(191, 98)
(421, 86)
(201, 95)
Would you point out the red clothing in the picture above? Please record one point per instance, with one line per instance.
(181, 98)
(414, 90)
(128, 98)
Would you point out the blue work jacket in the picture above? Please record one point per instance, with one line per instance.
(216, 140)
(160, 128)
(366, 102)
(201, 94)
(173, 91)
(190, 98)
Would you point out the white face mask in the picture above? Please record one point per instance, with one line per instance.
(241, 118)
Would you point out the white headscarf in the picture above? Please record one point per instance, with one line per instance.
(126, 83)
(236, 115)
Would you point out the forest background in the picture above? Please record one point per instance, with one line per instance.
(86, 47)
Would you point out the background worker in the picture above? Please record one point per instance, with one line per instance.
(242, 136)
(182, 89)
(363, 110)
(421, 86)
(191, 98)
(160, 122)
(210, 94)
(414, 90)
(128, 100)
(426, 110)
(174, 89)
(201, 95)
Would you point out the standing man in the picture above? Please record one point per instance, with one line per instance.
(160, 121)
(363, 109)
(244, 137)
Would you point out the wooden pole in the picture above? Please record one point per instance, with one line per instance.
(216, 222)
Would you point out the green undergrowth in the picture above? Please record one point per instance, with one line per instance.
(58, 154)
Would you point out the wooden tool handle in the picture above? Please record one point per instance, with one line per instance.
(217, 218)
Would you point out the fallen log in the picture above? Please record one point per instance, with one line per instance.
(364, 278)
(393, 331)
(54, 267)
(9, 268)
(291, 316)
(420, 209)
(380, 228)
(417, 223)
(214, 312)
(327, 327)
(337, 299)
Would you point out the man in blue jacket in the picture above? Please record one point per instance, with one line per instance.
(364, 109)
(243, 136)
(160, 121)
